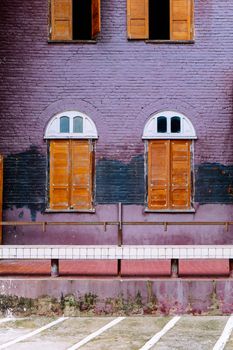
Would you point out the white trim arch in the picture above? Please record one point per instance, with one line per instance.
(184, 131)
(87, 129)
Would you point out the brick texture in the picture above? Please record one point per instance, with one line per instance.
(119, 84)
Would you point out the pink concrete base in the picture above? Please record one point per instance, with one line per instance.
(115, 296)
(210, 267)
(145, 268)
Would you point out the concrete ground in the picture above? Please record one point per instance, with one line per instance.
(130, 333)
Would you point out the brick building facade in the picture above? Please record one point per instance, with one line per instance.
(119, 84)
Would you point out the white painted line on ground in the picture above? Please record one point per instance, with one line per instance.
(7, 319)
(31, 334)
(159, 335)
(95, 334)
(220, 345)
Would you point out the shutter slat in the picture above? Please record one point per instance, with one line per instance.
(181, 18)
(61, 19)
(138, 19)
(96, 18)
(81, 177)
(1, 194)
(59, 174)
(180, 192)
(158, 174)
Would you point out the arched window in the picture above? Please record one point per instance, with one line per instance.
(169, 142)
(71, 138)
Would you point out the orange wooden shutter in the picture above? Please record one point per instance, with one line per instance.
(181, 18)
(96, 22)
(1, 193)
(138, 19)
(61, 19)
(180, 193)
(81, 177)
(59, 174)
(158, 174)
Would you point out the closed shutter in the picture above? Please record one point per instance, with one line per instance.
(137, 19)
(81, 177)
(59, 174)
(180, 192)
(158, 174)
(1, 193)
(96, 21)
(181, 18)
(61, 13)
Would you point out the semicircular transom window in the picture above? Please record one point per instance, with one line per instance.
(169, 125)
(71, 124)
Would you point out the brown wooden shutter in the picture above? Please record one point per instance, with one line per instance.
(61, 19)
(138, 19)
(158, 174)
(180, 193)
(1, 193)
(59, 174)
(181, 18)
(81, 177)
(96, 22)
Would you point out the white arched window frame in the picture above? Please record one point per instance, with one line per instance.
(53, 130)
(187, 130)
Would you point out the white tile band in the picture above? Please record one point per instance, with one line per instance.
(115, 252)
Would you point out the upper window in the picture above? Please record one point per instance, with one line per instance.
(169, 125)
(71, 124)
(75, 19)
(160, 19)
(71, 168)
(169, 166)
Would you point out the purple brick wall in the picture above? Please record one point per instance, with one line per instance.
(119, 84)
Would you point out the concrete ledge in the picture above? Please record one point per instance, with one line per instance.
(114, 296)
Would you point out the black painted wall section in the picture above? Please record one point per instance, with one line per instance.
(25, 182)
(119, 182)
(214, 183)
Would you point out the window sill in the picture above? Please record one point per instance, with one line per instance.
(171, 211)
(72, 41)
(174, 42)
(67, 211)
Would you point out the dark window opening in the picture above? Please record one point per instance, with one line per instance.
(162, 124)
(82, 20)
(159, 19)
(175, 124)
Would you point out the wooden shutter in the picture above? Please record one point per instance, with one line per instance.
(158, 174)
(181, 18)
(180, 192)
(81, 177)
(137, 19)
(1, 193)
(61, 19)
(59, 174)
(96, 22)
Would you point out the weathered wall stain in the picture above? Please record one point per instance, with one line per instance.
(25, 182)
